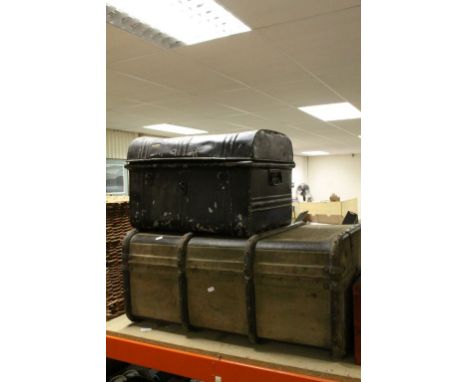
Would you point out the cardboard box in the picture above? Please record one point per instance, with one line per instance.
(327, 219)
(326, 212)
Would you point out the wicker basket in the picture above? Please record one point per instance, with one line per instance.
(117, 225)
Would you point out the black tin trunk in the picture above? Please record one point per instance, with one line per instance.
(235, 184)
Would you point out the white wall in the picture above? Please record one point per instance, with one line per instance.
(117, 143)
(339, 174)
(299, 173)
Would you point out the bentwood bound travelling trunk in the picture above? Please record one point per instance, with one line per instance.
(234, 184)
(290, 284)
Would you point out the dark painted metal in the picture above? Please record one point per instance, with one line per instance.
(234, 184)
(258, 145)
(182, 279)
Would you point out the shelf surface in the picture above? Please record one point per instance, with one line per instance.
(220, 357)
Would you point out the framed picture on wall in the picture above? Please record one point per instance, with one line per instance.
(116, 177)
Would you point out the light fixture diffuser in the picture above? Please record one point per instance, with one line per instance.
(332, 111)
(189, 21)
(168, 128)
(315, 153)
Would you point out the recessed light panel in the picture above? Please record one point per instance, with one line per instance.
(190, 21)
(332, 111)
(166, 127)
(315, 153)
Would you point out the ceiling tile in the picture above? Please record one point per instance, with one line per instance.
(244, 100)
(342, 137)
(260, 13)
(205, 108)
(153, 114)
(300, 55)
(173, 70)
(245, 57)
(123, 86)
(293, 116)
(172, 101)
(121, 45)
(351, 125)
(300, 93)
(254, 122)
(214, 125)
(328, 46)
(118, 102)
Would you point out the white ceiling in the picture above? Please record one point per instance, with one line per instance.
(299, 52)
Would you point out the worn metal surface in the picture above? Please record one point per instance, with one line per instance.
(258, 145)
(181, 260)
(249, 261)
(236, 184)
(298, 282)
(126, 273)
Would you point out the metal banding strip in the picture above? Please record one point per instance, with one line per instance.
(257, 198)
(270, 207)
(126, 274)
(182, 280)
(206, 160)
(271, 202)
(249, 259)
(337, 277)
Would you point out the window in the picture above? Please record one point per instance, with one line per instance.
(116, 177)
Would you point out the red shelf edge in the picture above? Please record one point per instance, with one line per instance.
(193, 365)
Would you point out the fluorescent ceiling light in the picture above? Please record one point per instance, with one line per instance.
(132, 25)
(175, 129)
(332, 111)
(190, 21)
(315, 153)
